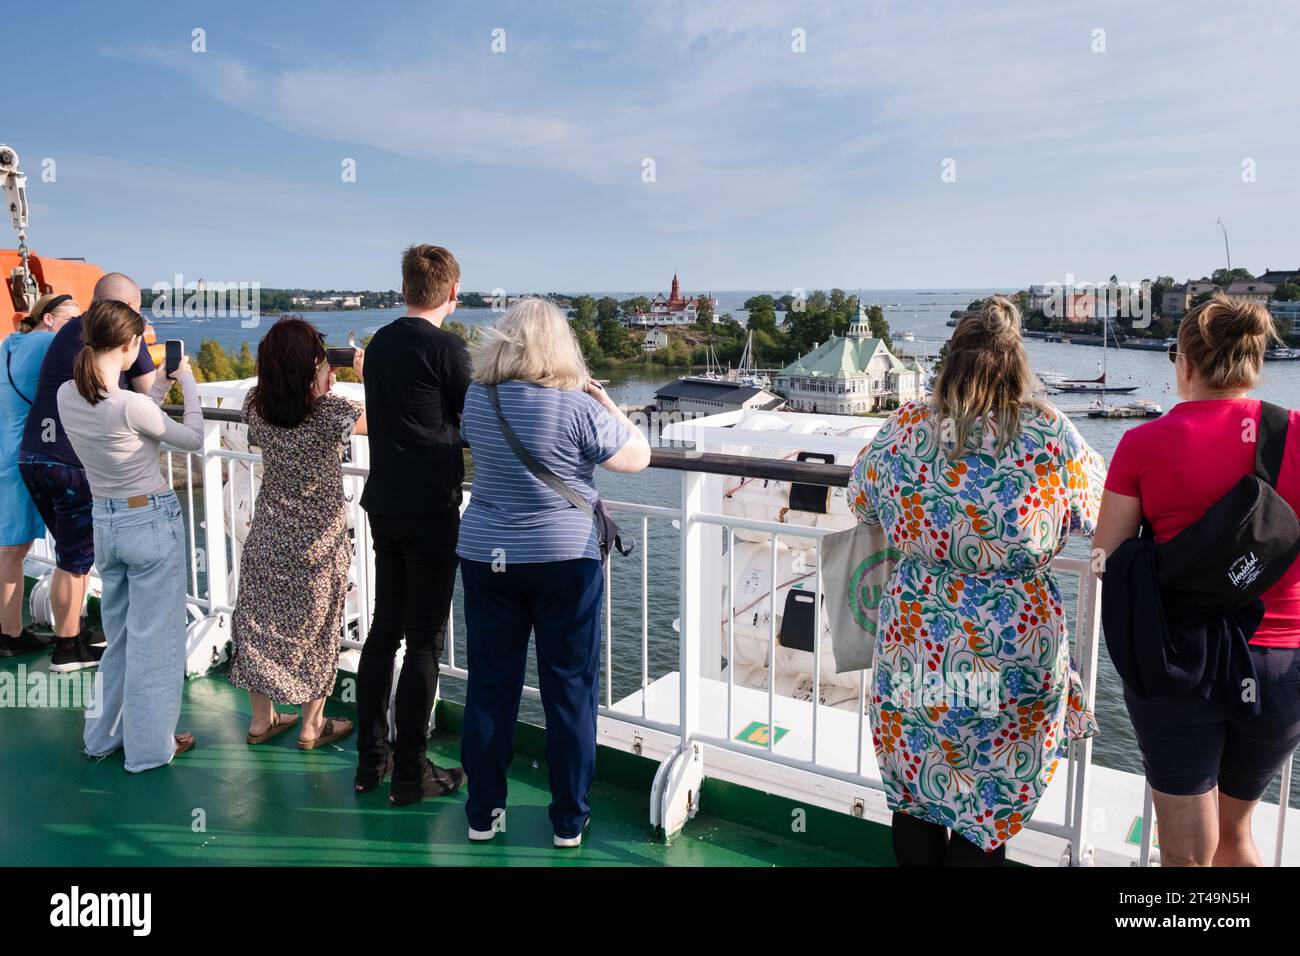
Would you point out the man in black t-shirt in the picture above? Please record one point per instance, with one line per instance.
(416, 378)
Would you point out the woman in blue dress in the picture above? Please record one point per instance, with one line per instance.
(21, 354)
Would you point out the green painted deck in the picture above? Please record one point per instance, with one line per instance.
(277, 805)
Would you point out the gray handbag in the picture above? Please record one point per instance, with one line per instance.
(856, 567)
(607, 530)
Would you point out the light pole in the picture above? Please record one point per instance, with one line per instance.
(1225, 244)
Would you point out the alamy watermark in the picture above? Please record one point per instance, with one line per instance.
(980, 692)
(76, 690)
(208, 300)
(1099, 301)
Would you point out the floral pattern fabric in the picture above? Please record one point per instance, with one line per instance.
(974, 697)
(293, 573)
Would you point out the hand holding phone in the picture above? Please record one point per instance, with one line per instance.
(344, 357)
(340, 357)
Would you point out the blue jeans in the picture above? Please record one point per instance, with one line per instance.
(140, 554)
(560, 601)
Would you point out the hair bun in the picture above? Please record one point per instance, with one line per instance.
(1250, 319)
(999, 316)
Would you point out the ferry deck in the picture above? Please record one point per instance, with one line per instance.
(688, 774)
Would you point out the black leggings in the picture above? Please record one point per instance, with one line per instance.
(919, 843)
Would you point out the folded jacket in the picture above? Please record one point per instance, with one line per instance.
(1160, 649)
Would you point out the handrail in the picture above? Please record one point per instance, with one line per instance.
(697, 517)
(669, 459)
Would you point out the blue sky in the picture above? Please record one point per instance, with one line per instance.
(774, 169)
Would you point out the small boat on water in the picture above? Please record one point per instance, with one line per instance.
(1096, 386)
(1141, 408)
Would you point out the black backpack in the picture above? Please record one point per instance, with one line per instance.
(1244, 543)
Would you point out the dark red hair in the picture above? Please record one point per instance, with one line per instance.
(287, 360)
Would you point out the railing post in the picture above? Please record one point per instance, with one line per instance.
(207, 639)
(1148, 827)
(214, 520)
(1080, 751)
(675, 793)
(708, 575)
(1283, 805)
(691, 602)
(364, 554)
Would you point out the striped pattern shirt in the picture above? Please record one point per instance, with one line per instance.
(511, 514)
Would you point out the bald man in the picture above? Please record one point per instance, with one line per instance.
(57, 482)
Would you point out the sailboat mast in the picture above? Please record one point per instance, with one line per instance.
(1105, 382)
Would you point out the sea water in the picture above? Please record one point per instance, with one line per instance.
(925, 313)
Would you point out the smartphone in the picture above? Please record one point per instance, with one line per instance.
(175, 353)
(340, 357)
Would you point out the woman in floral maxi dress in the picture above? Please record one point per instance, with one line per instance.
(974, 696)
(293, 575)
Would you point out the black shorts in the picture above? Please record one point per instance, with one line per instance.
(1189, 746)
(62, 496)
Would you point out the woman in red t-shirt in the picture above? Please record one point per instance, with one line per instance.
(1208, 771)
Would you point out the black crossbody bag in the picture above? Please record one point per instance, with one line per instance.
(607, 530)
(1244, 543)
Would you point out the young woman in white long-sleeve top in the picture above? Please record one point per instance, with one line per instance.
(139, 538)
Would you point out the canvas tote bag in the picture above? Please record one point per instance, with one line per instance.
(856, 567)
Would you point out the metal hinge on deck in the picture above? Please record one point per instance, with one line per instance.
(674, 795)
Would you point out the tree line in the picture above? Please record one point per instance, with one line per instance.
(606, 340)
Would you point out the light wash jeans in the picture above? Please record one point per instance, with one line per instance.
(140, 554)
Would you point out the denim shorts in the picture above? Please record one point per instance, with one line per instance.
(62, 496)
(1189, 746)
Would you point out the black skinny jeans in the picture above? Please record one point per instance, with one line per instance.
(415, 572)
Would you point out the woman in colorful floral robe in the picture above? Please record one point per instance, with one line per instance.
(974, 696)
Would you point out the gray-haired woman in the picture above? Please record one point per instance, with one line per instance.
(531, 561)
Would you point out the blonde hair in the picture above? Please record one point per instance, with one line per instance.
(39, 310)
(532, 342)
(985, 379)
(1225, 342)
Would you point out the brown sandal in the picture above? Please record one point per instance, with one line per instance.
(184, 743)
(279, 724)
(329, 733)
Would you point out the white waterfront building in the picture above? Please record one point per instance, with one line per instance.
(850, 375)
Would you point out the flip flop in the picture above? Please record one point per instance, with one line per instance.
(279, 724)
(328, 734)
(184, 743)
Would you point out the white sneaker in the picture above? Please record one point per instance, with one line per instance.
(483, 836)
(565, 843)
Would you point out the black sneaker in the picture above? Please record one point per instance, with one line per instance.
(24, 643)
(434, 782)
(74, 654)
(94, 637)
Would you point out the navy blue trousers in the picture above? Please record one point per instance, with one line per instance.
(559, 601)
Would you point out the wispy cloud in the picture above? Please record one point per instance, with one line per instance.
(822, 158)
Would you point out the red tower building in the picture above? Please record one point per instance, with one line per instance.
(675, 300)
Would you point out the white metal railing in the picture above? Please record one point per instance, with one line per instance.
(213, 582)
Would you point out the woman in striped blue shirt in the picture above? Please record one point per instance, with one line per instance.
(531, 562)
